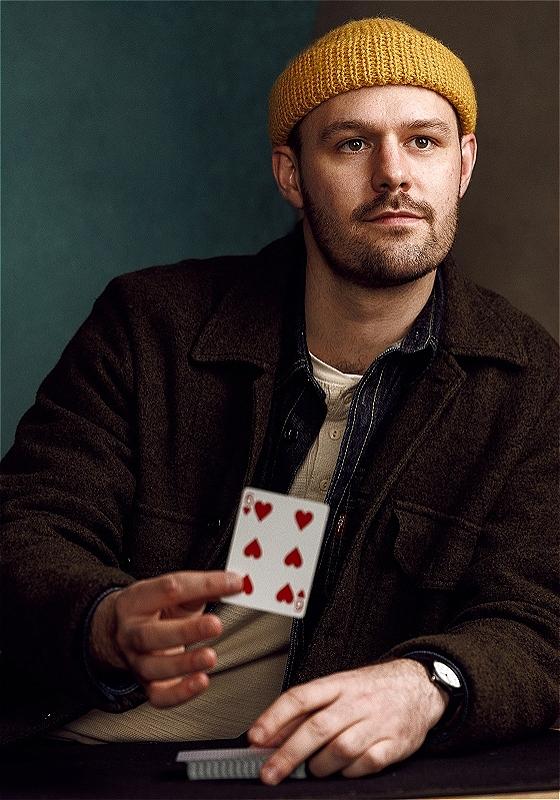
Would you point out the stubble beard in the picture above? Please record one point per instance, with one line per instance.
(397, 256)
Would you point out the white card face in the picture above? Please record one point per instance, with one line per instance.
(275, 546)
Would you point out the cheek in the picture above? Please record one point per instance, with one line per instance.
(338, 187)
(440, 187)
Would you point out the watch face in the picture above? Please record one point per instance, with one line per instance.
(446, 675)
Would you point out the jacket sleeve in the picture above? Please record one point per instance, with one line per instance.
(504, 636)
(67, 487)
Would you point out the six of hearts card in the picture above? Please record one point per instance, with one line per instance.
(275, 546)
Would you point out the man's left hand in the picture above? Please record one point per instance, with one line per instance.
(357, 722)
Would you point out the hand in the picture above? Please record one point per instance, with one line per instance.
(147, 627)
(358, 721)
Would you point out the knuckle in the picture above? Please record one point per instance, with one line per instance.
(320, 725)
(295, 698)
(171, 588)
(211, 583)
(343, 748)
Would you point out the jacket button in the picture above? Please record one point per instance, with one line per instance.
(291, 434)
(46, 715)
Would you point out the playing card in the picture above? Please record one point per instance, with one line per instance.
(275, 547)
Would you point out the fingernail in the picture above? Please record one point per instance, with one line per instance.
(256, 735)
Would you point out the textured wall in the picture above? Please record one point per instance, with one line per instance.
(508, 231)
(133, 133)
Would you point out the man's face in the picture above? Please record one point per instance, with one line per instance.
(380, 175)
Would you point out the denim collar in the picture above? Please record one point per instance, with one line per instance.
(421, 340)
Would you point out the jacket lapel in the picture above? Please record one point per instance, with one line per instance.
(471, 328)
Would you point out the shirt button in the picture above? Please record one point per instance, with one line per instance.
(334, 433)
(347, 399)
(324, 485)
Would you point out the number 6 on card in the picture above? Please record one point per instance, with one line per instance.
(275, 546)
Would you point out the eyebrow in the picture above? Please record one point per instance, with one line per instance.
(433, 124)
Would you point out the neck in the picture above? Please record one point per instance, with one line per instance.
(348, 326)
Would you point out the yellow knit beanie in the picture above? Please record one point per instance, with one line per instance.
(368, 52)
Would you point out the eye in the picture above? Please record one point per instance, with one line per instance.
(352, 146)
(422, 142)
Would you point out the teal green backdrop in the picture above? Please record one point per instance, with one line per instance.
(134, 133)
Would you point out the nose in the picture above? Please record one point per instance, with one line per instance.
(390, 168)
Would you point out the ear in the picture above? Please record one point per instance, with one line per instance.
(285, 169)
(468, 160)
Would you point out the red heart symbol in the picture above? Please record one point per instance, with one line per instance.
(293, 558)
(301, 593)
(262, 510)
(253, 549)
(246, 509)
(285, 595)
(303, 518)
(247, 585)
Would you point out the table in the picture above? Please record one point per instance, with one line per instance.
(147, 771)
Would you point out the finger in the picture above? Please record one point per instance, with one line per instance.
(298, 701)
(285, 732)
(183, 610)
(375, 758)
(163, 634)
(180, 588)
(158, 668)
(319, 729)
(343, 750)
(164, 694)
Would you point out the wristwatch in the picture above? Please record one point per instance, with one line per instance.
(440, 672)
(445, 676)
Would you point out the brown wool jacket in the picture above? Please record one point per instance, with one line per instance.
(132, 460)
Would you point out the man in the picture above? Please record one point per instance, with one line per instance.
(349, 362)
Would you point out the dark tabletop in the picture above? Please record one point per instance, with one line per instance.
(63, 770)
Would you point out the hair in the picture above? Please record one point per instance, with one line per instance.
(294, 139)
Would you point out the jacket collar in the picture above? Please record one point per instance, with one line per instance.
(474, 324)
(246, 325)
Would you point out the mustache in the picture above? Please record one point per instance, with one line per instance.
(385, 203)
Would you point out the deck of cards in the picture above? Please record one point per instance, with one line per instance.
(232, 764)
(275, 547)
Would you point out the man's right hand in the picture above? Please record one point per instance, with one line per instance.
(151, 628)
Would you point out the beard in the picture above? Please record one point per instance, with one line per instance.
(374, 257)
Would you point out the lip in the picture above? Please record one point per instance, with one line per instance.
(396, 218)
